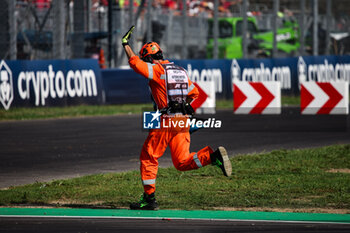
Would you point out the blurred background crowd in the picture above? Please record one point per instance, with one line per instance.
(65, 29)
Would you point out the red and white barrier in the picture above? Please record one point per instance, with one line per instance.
(256, 97)
(206, 102)
(324, 97)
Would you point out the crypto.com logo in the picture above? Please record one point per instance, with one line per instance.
(261, 73)
(6, 86)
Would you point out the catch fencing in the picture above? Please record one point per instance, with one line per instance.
(67, 29)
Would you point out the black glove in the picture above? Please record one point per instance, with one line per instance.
(174, 107)
(126, 37)
(188, 109)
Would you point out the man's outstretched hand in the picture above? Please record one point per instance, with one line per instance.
(126, 37)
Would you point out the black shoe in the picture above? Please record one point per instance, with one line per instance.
(147, 202)
(220, 159)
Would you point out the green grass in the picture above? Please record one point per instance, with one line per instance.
(279, 179)
(285, 101)
(224, 104)
(290, 100)
(72, 111)
(100, 110)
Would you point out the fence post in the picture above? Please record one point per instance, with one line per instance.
(329, 18)
(4, 29)
(169, 34)
(58, 30)
(216, 30)
(244, 28)
(276, 6)
(110, 31)
(315, 28)
(149, 20)
(78, 27)
(131, 19)
(302, 28)
(184, 30)
(89, 16)
(13, 30)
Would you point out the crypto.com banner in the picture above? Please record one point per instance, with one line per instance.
(288, 71)
(50, 83)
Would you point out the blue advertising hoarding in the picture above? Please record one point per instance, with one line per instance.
(50, 83)
(223, 71)
(70, 82)
(289, 71)
(125, 86)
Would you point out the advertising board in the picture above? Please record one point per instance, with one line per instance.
(50, 83)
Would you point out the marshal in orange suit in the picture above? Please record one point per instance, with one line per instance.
(172, 92)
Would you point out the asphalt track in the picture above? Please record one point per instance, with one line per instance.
(42, 150)
(69, 225)
(122, 220)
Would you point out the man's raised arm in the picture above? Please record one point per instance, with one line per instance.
(125, 42)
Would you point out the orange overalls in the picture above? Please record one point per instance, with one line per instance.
(158, 140)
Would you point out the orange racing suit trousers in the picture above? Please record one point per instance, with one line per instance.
(179, 143)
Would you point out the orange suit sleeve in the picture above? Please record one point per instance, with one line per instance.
(141, 67)
(192, 90)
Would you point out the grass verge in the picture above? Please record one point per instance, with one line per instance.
(100, 110)
(293, 179)
(71, 111)
(285, 101)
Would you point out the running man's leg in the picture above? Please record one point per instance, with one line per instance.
(153, 148)
(183, 160)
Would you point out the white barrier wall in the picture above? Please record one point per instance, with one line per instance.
(208, 107)
(324, 97)
(256, 97)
